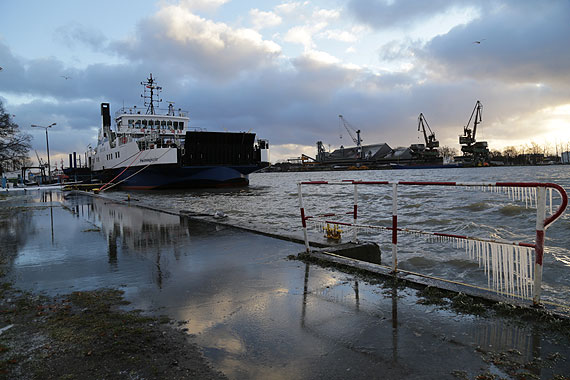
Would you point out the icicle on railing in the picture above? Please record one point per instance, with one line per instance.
(508, 266)
(528, 195)
(522, 194)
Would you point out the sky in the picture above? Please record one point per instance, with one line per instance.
(286, 70)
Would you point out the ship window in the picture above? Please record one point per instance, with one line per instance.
(144, 123)
(175, 125)
(169, 124)
(137, 124)
(163, 124)
(157, 124)
(150, 123)
(131, 123)
(181, 125)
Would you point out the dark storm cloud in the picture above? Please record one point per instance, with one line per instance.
(382, 14)
(519, 43)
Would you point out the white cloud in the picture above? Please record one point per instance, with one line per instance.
(288, 8)
(304, 34)
(301, 35)
(340, 35)
(326, 14)
(321, 57)
(261, 19)
(178, 37)
(202, 5)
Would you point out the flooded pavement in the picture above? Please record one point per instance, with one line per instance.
(257, 314)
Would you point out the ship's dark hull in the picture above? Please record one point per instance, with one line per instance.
(177, 177)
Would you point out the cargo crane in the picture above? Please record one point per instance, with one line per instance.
(357, 140)
(473, 151)
(431, 142)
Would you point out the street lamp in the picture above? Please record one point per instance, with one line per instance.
(47, 145)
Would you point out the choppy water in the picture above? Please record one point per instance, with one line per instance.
(271, 204)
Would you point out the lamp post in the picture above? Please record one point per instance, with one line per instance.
(47, 145)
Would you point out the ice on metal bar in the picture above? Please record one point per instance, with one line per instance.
(508, 267)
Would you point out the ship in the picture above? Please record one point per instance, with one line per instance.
(154, 150)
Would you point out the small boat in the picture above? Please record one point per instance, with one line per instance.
(149, 150)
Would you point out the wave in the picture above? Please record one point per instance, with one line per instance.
(478, 206)
(512, 210)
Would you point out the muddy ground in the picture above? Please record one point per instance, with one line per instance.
(86, 335)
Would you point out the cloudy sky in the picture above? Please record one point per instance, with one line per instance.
(286, 70)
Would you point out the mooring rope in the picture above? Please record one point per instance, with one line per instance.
(135, 173)
(117, 176)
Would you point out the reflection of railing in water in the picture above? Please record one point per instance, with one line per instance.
(348, 300)
(508, 265)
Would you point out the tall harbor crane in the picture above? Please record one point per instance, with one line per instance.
(357, 140)
(431, 142)
(427, 152)
(476, 152)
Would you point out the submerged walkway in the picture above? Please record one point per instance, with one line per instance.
(257, 313)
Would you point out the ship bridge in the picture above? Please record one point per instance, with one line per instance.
(132, 121)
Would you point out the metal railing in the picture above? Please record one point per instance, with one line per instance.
(509, 263)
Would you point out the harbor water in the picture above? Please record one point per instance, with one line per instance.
(270, 204)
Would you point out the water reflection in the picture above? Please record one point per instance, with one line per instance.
(330, 293)
(351, 315)
(138, 230)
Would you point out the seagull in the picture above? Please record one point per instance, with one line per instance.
(64, 77)
(479, 42)
(1, 68)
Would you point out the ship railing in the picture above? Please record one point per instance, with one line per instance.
(158, 111)
(510, 267)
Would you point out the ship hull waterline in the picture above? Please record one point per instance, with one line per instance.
(170, 176)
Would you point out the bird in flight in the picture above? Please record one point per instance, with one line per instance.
(479, 42)
(1, 68)
(65, 77)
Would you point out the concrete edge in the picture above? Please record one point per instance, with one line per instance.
(417, 279)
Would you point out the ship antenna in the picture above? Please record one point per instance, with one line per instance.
(149, 100)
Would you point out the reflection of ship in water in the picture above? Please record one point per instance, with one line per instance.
(140, 230)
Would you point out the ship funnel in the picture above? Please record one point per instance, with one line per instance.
(106, 114)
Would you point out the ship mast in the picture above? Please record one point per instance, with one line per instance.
(149, 99)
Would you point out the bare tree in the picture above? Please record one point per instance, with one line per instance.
(14, 144)
(510, 152)
(535, 148)
(447, 151)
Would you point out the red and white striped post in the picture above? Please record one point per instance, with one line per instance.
(394, 227)
(303, 219)
(539, 245)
